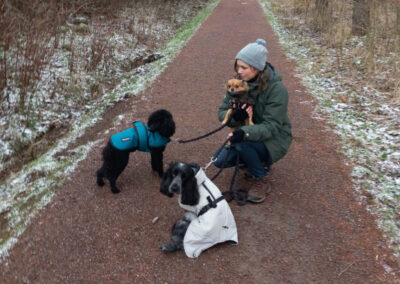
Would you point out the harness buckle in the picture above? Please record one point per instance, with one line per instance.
(211, 203)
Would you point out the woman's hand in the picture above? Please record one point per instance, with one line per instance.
(249, 111)
(236, 136)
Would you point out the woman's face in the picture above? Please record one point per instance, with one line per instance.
(245, 71)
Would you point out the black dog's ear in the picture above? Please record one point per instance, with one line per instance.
(166, 181)
(167, 127)
(190, 193)
(161, 121)
(154, 125)
(155, 119)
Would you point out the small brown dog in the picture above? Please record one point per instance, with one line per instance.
(238, 92)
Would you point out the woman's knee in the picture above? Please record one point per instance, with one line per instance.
(225, 158)
(220, 159)
(241, 147)
(218, 163)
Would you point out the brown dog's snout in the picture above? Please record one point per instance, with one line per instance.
(232, 88)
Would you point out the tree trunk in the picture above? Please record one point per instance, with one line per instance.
(321, 5)
(321, 15)
(360, 18)
(398, 18)
(398, 24)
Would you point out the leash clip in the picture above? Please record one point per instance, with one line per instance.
(213, 159)
(176, 140)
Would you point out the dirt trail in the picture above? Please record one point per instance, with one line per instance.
(309, 230)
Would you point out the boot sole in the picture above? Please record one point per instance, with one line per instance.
(256, 199)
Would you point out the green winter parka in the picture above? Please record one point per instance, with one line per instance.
(271, 122)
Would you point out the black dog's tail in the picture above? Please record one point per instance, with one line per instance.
(207, 134)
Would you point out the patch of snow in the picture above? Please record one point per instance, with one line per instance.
(31, 189)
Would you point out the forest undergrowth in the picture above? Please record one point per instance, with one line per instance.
(355, 80)
(59, 57)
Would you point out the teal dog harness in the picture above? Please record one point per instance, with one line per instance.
(138, 138)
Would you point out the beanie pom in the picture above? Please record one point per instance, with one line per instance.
(262, 42)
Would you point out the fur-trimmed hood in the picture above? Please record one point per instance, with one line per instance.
(215, 226)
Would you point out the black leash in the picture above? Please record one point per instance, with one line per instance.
(203, 136)
(234, 193)
(207, 134)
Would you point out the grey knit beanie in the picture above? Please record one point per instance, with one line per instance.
(254, 54)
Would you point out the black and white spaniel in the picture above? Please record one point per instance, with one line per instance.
(207, 219)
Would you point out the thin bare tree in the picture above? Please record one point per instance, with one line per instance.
(321, 15)
(398, 23)
(361, 18)
(321, 5)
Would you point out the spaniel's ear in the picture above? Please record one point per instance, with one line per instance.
(166, 181)
(195, 167)
(190, 192)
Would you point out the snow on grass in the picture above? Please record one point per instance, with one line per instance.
(77, 68)
(29, 190)
(368, 122)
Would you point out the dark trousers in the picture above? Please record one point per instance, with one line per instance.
(253, 154)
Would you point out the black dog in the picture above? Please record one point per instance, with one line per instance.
(152, 137)
(180, 179)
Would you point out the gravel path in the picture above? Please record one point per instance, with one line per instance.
(309, 230)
